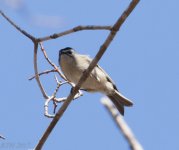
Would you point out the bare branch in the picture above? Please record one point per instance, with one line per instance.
(36, 71)
(75, 29)
(51, 98)
(125, 129)
(42, 73)
(51, 63)
(55, 106)
(59, 83)
(17, 27)
(57, 100)
(46, 108)
(85, 75)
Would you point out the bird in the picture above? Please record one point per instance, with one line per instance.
(74, 64)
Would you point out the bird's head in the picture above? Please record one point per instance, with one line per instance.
(67, 51)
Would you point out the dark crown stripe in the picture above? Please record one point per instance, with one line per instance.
(66, 49)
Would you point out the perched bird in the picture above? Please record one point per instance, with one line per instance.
(73, 65)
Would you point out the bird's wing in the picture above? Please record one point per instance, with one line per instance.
(95, 75)
(94, 71)
(108, 77)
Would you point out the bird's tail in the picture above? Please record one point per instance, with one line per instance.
(120, 101)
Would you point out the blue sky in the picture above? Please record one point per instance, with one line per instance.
(142, 60)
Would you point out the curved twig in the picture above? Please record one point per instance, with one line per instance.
(75, 29)
(36, 71)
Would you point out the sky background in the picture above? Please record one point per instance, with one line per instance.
(142, 60)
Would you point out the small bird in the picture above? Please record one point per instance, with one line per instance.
(74, 64)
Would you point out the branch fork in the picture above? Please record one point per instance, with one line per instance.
(57, 100)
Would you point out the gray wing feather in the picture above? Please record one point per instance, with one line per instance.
(94, 72)
(108, 78)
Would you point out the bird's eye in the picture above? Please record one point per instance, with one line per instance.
(69, 52)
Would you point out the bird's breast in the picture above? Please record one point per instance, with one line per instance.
(70, 69)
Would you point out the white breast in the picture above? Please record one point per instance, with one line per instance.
(69, 68)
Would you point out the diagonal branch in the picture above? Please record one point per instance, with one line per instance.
(50, 62)
(126, 131)
(85, 75)
(17, 27)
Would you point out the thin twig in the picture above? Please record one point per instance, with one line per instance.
(46, 113)
(59, 83)
(42, 73)
(17, 27)
(36, 71)
(119, 120)
(55, 106)
(85, 75)
(75, 29)
(46, 108)
(51, 63)
(57, 100)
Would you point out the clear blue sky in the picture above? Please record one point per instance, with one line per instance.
(142, 60)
